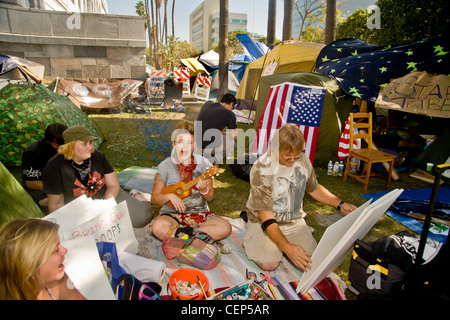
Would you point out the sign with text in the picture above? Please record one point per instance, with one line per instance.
(105, 220)
(154, 87)
(418, 92)
(113, 225)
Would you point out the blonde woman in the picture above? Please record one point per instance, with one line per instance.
(32, 262)
(78, 169)
(192, 211)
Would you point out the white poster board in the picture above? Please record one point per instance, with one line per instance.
(337, 241)
(85, 270)
(103, 219)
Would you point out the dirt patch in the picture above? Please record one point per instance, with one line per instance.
(327, 220)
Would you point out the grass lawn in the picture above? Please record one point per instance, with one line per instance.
(125, 147)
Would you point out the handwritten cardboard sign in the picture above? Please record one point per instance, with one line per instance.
(418, 92)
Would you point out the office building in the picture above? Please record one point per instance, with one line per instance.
(204, 24)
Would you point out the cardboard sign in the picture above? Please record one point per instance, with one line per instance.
(270, 68)
(154, 87)
(418, 92)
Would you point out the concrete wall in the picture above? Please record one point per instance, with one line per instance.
(80, 45)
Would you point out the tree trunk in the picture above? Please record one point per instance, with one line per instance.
(330, 22)
(165, 28)
(149, 30)
(173, 18)
(287, 21)
(271, 23)
(223, 49)
(155, 36)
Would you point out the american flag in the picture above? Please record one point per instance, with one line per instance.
(291, 103)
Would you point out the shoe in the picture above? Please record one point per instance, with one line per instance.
(224, 247)
(141, 196)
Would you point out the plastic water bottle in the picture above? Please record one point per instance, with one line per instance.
(341, 168)
(330, 168)
(336, 168)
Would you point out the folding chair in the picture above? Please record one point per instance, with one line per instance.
(363, 122)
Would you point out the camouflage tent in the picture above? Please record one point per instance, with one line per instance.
(15, 202)
(25, 112)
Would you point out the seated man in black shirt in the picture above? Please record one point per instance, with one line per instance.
(213, 118)
(34, 159)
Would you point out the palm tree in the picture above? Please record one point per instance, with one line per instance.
(173, 18)
(271, 22)
(330, 22)
(287, 21)
(164, 31)
(157, 18)
(223, 49)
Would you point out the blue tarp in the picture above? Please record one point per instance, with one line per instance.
(254, 50)
(424, 194)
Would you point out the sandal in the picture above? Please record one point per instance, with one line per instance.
(139, 195)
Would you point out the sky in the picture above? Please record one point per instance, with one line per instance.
(256, 10)
(183, 9)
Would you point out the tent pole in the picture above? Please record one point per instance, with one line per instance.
(427, 222)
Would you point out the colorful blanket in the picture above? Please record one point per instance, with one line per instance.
(233, 267)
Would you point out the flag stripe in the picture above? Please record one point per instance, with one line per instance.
(291, 103)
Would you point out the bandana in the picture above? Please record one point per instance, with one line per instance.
(82, 170)
(186, 170)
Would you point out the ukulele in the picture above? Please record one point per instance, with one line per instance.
(183, 188)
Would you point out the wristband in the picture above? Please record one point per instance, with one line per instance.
(340, 205)
(207, 190)
(267, 223)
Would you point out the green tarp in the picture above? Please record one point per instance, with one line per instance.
(15, 202)
(25, 112)
(336, 109)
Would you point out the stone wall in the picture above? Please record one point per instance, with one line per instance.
(79, 45)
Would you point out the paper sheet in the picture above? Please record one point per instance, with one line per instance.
(143, 268)
(338, 239)
(84, 268)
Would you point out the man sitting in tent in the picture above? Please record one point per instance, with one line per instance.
(213, 118)
(34, 159)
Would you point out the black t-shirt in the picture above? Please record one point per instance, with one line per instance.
(60, 177)
(34, 159)
(214, 116)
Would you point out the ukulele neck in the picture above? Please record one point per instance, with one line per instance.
(192, 183)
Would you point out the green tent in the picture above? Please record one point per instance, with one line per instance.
(15, 202)
(25, 112)
(336, 109)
